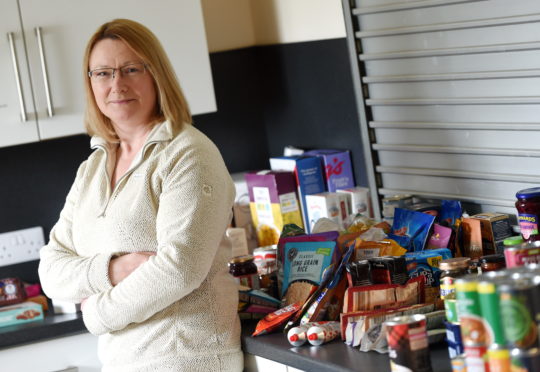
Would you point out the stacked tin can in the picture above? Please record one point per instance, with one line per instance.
(499, 313)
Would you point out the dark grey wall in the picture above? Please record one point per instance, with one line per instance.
(268, 97)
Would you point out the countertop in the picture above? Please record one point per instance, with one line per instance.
(334, 356)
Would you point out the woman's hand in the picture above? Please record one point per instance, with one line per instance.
(121, 267)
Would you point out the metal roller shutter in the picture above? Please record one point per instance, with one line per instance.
(449, 97)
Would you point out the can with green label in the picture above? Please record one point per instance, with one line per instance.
(473, 329)
(517, 307)
(489, 305)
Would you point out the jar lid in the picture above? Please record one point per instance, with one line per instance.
(513, 240)
(240, 259)
(528, 193)
(492, 258)
(454, 263)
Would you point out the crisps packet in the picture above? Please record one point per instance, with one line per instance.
(440, 237)
(426, 264)
(368, 249)
(274, 320)
(411, 229)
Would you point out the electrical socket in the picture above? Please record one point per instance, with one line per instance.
(21, 245)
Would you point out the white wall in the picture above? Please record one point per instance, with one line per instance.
(234, 24)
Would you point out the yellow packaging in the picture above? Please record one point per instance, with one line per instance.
(273, 203)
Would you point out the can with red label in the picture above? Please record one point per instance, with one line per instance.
(408, 343)
(476, 358)
(523, 254)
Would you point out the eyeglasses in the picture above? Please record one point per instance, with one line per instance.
(107, 74)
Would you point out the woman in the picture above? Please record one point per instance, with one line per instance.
(141, 239)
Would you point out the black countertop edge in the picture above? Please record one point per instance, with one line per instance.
(53, 326)
(334, 356)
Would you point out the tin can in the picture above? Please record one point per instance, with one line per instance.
(525, 360)
(498, 359)
(297, 336)
(476, 358)
(320, 334)
(517, 304)
(458, 363)
(473, 329)
(489, 306)
(534, 277)
(450, 308)
(408, 343)
(522, 254)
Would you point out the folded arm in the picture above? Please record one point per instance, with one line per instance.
(194, 210)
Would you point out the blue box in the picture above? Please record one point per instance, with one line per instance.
(24, 312)
(337, 168)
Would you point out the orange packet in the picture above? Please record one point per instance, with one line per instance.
(274, 320)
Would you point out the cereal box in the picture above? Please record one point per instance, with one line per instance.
(308, 171)
(327, 204)
(337, 168)
(273, 204)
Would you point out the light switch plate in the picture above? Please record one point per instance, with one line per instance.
(21, 245)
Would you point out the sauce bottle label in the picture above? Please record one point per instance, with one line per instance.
(528, 224)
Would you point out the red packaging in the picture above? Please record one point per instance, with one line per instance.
(274, 320)
(11, 291)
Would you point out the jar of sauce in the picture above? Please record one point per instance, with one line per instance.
(242, 266)
(245, 271)
(451, 269)
(528, 207)
(492, 262)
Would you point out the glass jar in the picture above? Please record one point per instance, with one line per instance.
(451, 269)
(528, 207)
(242, 266)
(513, 240)
(492, 262)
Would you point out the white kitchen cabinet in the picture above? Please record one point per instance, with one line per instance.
(71, 353)
(51, 83)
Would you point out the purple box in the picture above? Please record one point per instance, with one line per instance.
(273, 203)
(309, 177)
(337, 168)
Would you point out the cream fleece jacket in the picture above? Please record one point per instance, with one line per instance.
(177, 311)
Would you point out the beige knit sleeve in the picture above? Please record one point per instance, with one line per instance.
(64, 275)
(194, 211)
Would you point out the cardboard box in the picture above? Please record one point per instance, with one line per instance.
(360, 200)
(495, 227)
(24, 312)
(241, 210)
(309, 177)
(273, 204)
(337, 168)
(327, 204)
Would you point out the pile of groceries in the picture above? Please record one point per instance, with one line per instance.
(426, 273)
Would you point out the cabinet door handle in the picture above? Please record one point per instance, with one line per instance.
(17, 75)
(50, 110)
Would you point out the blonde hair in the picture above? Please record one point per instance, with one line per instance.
(171, 103)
